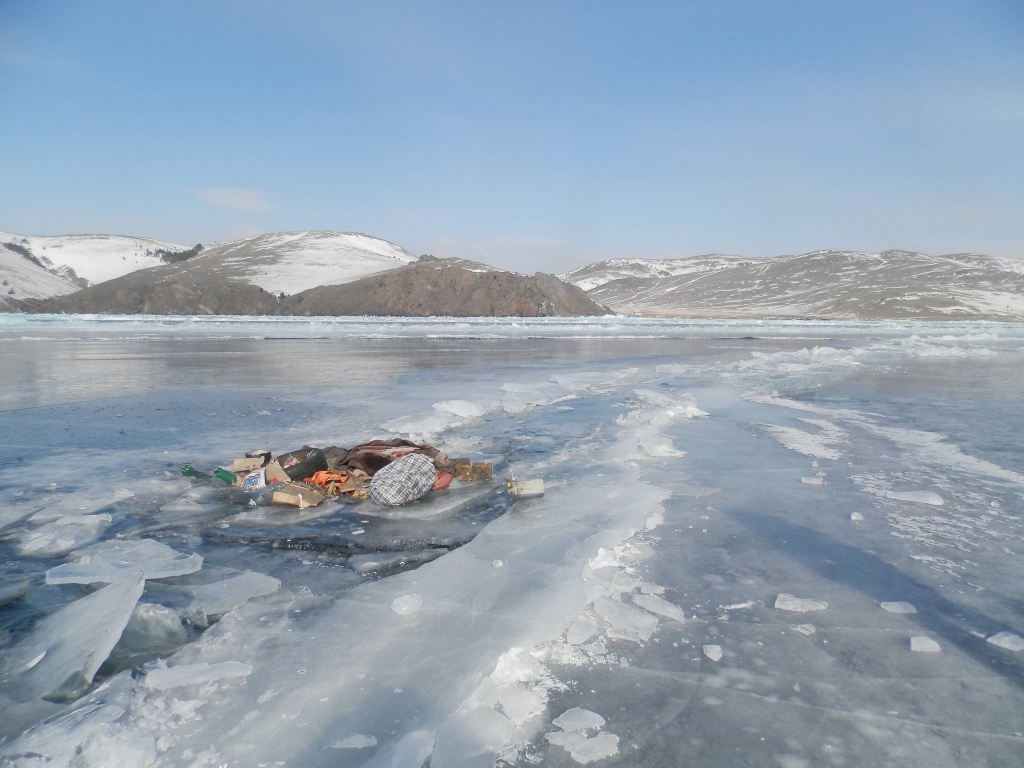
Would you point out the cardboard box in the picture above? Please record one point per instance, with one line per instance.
(275, 474)
(481, 470)
(298, 495)
(245, 466)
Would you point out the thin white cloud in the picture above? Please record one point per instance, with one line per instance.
(235, 198)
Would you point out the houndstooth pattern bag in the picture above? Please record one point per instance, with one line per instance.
(403, 480)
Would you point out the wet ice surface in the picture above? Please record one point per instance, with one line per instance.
(679, 596)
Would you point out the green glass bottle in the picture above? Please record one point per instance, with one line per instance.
(228, 477)
(189, 471)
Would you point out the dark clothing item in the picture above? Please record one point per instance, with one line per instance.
(374, 456)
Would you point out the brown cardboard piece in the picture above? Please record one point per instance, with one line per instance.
(298, 495)
(481, 470)
(275, 474)
(246, 465)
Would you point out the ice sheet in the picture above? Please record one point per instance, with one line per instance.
(109, 561)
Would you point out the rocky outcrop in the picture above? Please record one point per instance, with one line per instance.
(430, 287)
(446, 287)
(152, 292)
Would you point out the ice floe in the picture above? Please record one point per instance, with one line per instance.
(1007, 640)
(713, 652)
(659, 606)
(922, 644)
(917, 497)
(63, 652)
(112, 560)
(785, 602)
(899, 607)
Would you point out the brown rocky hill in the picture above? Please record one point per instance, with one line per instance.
(429, 287)
(160, 291)
(450, 287)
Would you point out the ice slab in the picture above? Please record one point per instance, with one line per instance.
(462, 408)
(581, 630)
(818, 481)
(406, 604)
(624, 618)
(899, 607)
(197, 602)
(355, 741)
(916, 497)
(660, 606)
(577, 719)
(152, 628)
(805, 629)
(386, 561)
(165, 678)
(63, 534)
(13, 591)
(786, 602)
(598, 748)
(1007, 640)
(922, 644)
(568, 740)
(109, 561)
(856, 517)
(713, 652)
(61, 655)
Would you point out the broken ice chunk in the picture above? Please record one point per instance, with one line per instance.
(812, 480)
(221, 596)
(151, 629)
(58, 659)
(805, 629)
(899, 607)
(581, 630)
(568, 740)
(182, 507)
(923, 644)
(112, 560)
(624, 582)
(648, 588)
(713, 652)
(165, 678)
(355, 741)
(601, 746)
(406, 604)
(13, 591)
(63, 534)
(463, 408)
(577, 719)
(660, 606)
(1007, 640)
(786, 602)
(916, 497)
(625, 618)
(856, 517)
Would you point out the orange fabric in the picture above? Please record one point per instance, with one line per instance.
(324, 477)
(441, 480)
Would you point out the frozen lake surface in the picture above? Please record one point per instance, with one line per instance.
(776, 543)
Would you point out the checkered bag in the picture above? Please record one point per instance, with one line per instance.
(403, 480)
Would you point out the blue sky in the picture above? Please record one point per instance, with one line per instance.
(529, 135)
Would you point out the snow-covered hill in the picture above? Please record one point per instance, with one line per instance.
(291, 262)
(594, 275)
(91, 258)
(23, 279)
(833, 284)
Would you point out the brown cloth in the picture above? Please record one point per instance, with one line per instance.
(373, 456)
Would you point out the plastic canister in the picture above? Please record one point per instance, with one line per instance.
(525, 489)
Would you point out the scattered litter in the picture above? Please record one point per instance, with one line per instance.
(1007, 640)
(713, 652)
(905, 608)
(795, 604)
(525, 489)
(402, 481)
(922, 644)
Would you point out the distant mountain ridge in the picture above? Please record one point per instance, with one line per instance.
(262, 273)
(821, 284)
